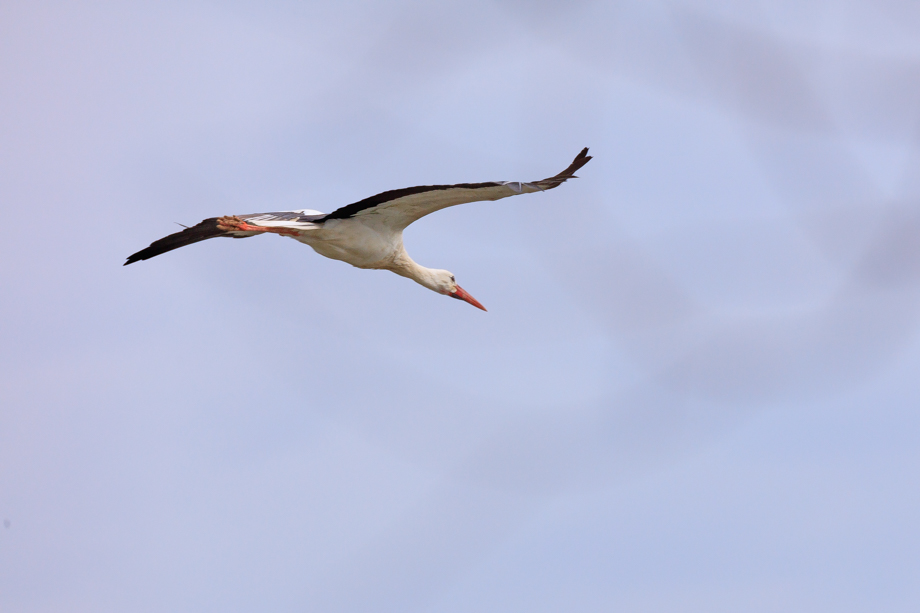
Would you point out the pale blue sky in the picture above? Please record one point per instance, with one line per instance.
(695, 388)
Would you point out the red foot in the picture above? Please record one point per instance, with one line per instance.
(232, 223)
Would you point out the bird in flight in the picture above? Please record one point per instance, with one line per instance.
(368, 233)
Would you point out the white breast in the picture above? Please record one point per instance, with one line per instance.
(357, 243)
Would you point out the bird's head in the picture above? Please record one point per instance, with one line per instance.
(447, 285)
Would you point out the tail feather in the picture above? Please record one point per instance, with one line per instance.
(203, 231)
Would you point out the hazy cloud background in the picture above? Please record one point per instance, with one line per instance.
(696, 388)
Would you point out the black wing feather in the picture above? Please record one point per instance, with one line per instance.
(203, 231)
(569, 173)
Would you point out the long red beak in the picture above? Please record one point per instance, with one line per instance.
(461, 294)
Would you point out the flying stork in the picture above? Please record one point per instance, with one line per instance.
(366, 234)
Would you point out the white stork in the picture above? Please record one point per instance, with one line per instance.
(366, 234)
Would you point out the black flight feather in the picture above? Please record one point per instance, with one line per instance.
(203, 231)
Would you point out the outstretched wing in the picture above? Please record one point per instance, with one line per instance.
(400, 207)
(395, 209)
(229, 227)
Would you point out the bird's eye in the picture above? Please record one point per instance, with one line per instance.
(452, 279)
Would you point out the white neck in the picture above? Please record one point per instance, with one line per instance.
(404, 266)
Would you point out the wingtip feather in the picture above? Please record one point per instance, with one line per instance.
(209, 228)
(580, 160)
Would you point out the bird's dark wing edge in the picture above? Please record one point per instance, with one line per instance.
(569, 173)
(351, 210)
(203, 231)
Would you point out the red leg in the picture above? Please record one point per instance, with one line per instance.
(232, 223)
